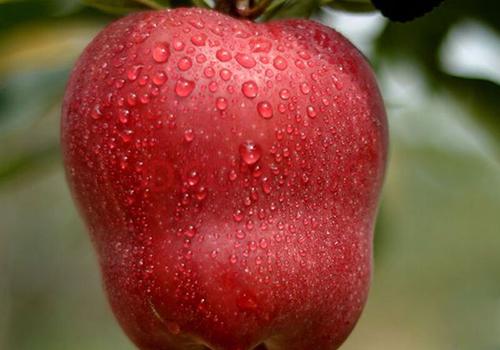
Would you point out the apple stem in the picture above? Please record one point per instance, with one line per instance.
(245, 9)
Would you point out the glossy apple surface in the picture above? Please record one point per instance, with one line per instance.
(229, 174)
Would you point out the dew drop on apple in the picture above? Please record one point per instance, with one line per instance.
(250, 152)
(250, 89)
(178, 45)
(238, 215)
(209, 72)
(240, 234)
(183, 87)
(233, 259)
(199, 39)
(305, 88)
(193, 178)
(185, 64)
(161, 52)
(96, 112)
(123, 115)
(159, 78)
(280, 63)
(265, 109)
(134, 72)
(245, 61)
(311, 112)
(221, 103)
(225, 74)
(223, 55)
(285, 94)
(189, 135)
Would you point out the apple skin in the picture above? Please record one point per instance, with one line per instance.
(229, 174)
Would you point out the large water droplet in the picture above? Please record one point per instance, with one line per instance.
(223, 55)
(265, 109)
(161, 52)
(199, 39)
(184, 64)
(304, 87)
(250, 152)
(280, 63)
(311, 112)
(250, 89)
(285, 94)
(159, 78)
(245, 60)
(225, 74)
(183, 87)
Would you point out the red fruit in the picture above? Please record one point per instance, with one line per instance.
(229, 174)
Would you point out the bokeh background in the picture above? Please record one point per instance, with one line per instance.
(437, 278)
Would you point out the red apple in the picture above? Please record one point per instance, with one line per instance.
(229, 174)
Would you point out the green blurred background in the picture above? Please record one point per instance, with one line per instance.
(437, 278)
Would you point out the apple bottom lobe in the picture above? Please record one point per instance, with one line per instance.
(309, 302)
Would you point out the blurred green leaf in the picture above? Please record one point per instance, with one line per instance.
(481, 97)
(27, 162)
(291, 9)
(125, 6)
(349, 5)
(26, 97)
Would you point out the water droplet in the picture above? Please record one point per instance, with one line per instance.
(238, 215)
(190, 232)
(197, 23)
(311, 112)
(189, 135)
(250, 89)
(132, 99)
(159, 78)
(193, 178)
(232, 175)
(161, 52)
(265, 109)
(134, 72)
(183, 87)
(212, 86)
(285, 94)
(266, 186)
(209, 72)
(304, 87)
(223, 55)
(185, 64)
(263, 243)
(260, 45)
(233, 259)
(250, 152)
(199, 39)
(225, 74)
(178, 45)
(280, 63)
(245, 61)
(221, 103)
(123, 115)
(96, 112)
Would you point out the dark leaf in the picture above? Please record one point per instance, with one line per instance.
(402, 11)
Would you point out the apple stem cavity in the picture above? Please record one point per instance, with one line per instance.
(244, 9)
